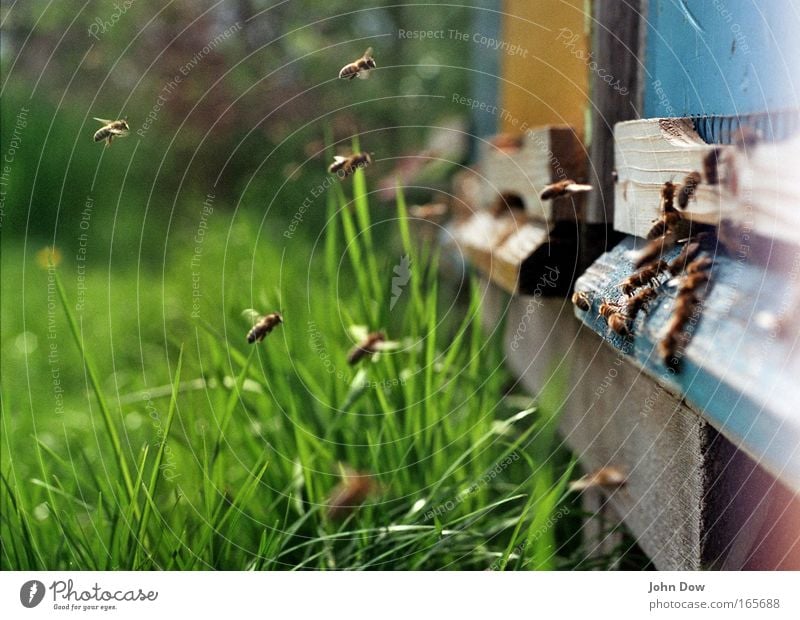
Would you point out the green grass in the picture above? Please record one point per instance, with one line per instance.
(181, 447)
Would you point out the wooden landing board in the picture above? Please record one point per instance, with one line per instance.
(758, 189)
(691, 499)
(546, 155)
(739, 375)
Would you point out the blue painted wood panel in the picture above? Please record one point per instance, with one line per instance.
(721, 57)
(738, 375)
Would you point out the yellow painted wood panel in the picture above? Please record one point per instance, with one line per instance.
(544, 63)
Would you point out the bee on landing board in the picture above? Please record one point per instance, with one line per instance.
(654, 249)
(637, 301)
(368, 344)
(345, 166)
(111, 130)
(693, 287)
(690, 250)
(263, 325)
(567, 187)
(582, 301)
(360, 68)
(645, 275)
(616, 320)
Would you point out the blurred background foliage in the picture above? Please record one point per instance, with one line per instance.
(249, 116)
(246, 123)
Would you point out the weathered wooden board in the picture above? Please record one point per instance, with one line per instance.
(498, 246)
(546, 155)
(607, 420)
(740, 375)
(757, 188)
(692, 500)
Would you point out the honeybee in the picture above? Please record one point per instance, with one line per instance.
(345, 166)
(654, 249)
(368, 343)
(263, 325)
(702, 264)
(360, 68)
(689, 298)
(350, 493)
(667, 196)
(605, 477)
(711, 166)
(581, 300)
(616, 320)
(644, 275)
(111, 130)
(688, 189)
(567, 187)
(636, 302)
(432, 211)
(687, 254)
(669, 217)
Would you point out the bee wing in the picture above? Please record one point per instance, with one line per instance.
(363, 75)
(387, 345)
(103, 120)
(574, 188)
(368, 53)
(118, 132)
(251, 315)
(339, 159)
(358, 332)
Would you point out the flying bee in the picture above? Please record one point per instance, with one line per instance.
(645, 275)
(349, 494)
(581, 300)
(360, 68)
(617, 321)
(567, 187)
(605, 477)
(430, 212)
(368, 344)
(687, 190)
(111, 130)
(345, 166)
(263, 324)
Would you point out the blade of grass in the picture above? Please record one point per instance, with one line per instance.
(111, 429)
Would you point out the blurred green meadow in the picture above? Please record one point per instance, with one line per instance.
(139, 429)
